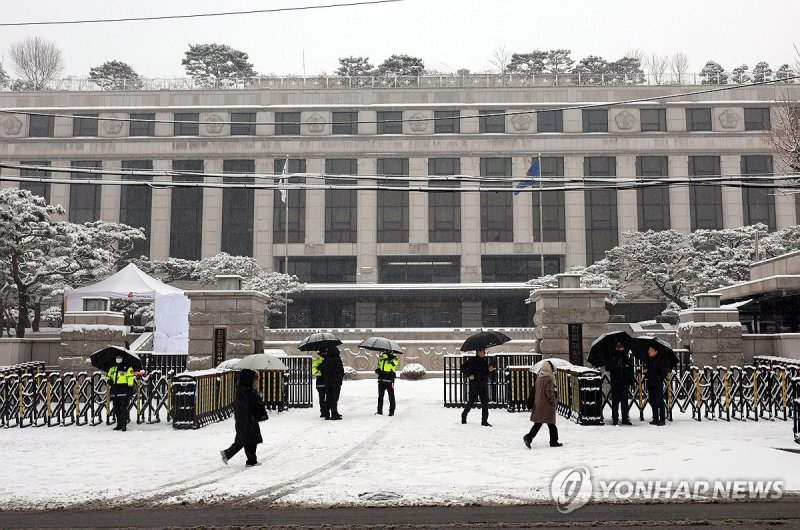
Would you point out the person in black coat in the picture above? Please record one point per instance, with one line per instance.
(477, 370)
(656, 369)
(332, 370)
(248, 409)
(620, 370)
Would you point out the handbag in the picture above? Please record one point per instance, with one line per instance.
(262, 413)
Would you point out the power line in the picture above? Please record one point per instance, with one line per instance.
(196, 15)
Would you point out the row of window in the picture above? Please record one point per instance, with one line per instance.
(444, 207)
(391, 122)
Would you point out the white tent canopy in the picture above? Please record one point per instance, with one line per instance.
(171, 305)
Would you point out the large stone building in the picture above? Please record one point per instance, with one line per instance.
(412, 258)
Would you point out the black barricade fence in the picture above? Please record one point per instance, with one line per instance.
(37, 400)
(300, 383)
(273, 385)
(519, 384)
(202, 397)
(163, 362)
(31, 368)
(579, 394)
(455, 384)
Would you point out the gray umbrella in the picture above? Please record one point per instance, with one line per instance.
(260, 361)
(319, 341)
(381, 344)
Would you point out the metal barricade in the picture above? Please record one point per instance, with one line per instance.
(456, 389)
(519, 385)
(200, 398)
(299, 381)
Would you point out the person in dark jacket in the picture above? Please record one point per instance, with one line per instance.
(248, 409)
(655, 369)
(477, 370)
(332, 370)
(386, 370)
(319, 381)
(544, 406)
(620, 370)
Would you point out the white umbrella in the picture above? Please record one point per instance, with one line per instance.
(260, 361)
(556, 362)
(230, 364)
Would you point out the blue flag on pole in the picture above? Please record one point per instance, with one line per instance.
(533, 172)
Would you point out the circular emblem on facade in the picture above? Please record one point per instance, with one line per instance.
(12, 126)
(521, 122)
(315, 123)
(625, 120)
(418, 123)
(112, 128)
(729, 119)
(216, 126)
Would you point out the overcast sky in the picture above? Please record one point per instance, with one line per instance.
(446, 34)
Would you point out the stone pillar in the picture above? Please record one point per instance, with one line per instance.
(85, 332)
(568, 319)
(712, 334)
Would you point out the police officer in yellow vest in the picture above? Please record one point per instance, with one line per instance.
(320, 382)
(386, 370)
(120, 382)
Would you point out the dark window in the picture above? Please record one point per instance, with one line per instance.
(243, 124)
(345, 123)
(419, 269)
(652, 201)
(550, 121)
(698, 119)
(341, 205)
(186, 124)
(446, 121)
(295, 205)
(517, 268)
(553, 214)
(84, 125)
(390, 122)
(393, 204)
(84, 199)
(595, 120)
(444, 207)
(238, 208)
(418, 314)
(323, 269)
(41, 126)
(142, 128)
(186, 221)
(758, 202)
(508, 312)
(497, 208)
(318, 314)
(37, 188)
(653, 119)
(287, 123)
(491, 122)
(135, 204)
(705, 199)
(757, 119)
(601, 208)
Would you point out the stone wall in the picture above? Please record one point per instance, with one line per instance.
(714, 336)
(85, 332)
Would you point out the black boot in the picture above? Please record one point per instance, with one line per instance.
(463, 417)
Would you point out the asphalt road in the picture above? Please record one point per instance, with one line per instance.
(781, 514)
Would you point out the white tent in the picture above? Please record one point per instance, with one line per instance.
(171, 305)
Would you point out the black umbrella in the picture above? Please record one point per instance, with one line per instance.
(603, 348)
(483, 340)
(319, 341)
(107, 357)
(665, 351)
(381, 344)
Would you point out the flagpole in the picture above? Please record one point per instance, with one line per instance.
(286, 241)
(541, 218)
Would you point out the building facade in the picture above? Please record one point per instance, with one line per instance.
(395, 237)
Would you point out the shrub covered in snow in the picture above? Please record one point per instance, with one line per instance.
(412, 371)
(350, 372)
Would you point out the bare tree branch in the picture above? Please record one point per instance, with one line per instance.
(37, 61)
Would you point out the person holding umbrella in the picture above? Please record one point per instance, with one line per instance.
(386, 370)
(544, 406)
(248, 409)
(319, 380)
(120, 381)
(332, 370)
(477, 370)
(620, 370)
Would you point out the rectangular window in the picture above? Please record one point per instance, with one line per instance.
(393, 204)
(446, 121)
(84, 125)
(757, 119)
(142, 128)
(595, 120)
(444, 207)
(287, 123)
(653, 119)
(517, 268)
(652, 201)
(41, 126)
(419, 269)
(243, 124)
(418, 314)
(345, 123)
(497, 208)
(37, 188)
(341, 205)
(84, 199)
(136, 204)
(601, 208)
(758, 202)
(390, 122)
(186, 123)
(490, 122)
(186, 221)
(238, 208)
(295, 205)
(554, 213)
(698, 119)
(322, 269)
(705, 200)
(550, 121)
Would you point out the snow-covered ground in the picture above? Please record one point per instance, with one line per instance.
(423, 455)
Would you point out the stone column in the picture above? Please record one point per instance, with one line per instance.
(418, 205)
(732, 205)
(161, 213)
(712, 334)
(110, 195)
(263, 218)
(470, 223)
(627, 208)
(212, 212)
(680, 217)
(367, 226)
(575, 215)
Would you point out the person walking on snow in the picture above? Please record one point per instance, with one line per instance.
(248, 409)
(120, 380)
(319, 381)
(477, 370)
(332, 370)
(386, 370)
(544, 406)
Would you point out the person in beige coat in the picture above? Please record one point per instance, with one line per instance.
(544, 406)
